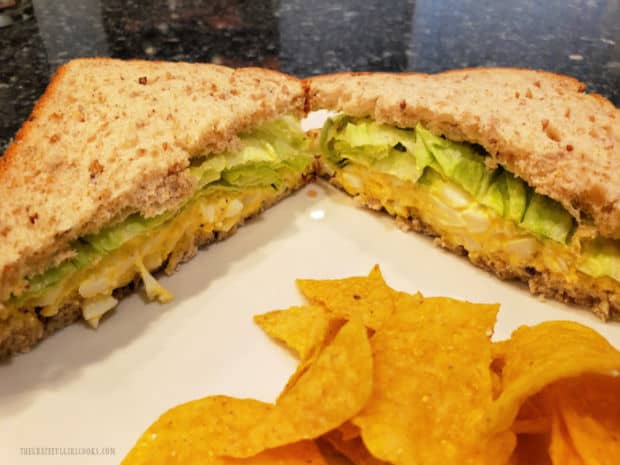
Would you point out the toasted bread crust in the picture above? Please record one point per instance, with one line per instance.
(110, 138)
(540, 126)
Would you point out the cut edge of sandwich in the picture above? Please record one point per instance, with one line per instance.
(536, 124)
(69, 103)
(548, 266)
(203, 193)
(25, 328)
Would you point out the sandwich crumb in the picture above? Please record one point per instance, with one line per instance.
(312, 193)
(142, 80)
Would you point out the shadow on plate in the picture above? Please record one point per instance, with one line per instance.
(65, 355)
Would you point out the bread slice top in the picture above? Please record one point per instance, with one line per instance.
(109, 138)
(540, 126)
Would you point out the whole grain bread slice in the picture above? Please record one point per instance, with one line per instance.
(110, 138)
(540, 126)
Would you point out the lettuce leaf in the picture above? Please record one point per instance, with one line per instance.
(209, 170)
(548, 218)
(112, 237)
(267, 155)
(601, 257)
(85, 254)
(256, 174)
(378, 146)
(406, 154)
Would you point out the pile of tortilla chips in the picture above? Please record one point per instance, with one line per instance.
(389, 377)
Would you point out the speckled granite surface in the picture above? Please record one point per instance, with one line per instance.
(576, 37)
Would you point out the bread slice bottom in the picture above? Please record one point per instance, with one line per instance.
(549, 273)
(22, 329)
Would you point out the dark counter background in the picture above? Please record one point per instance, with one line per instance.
(575, 37)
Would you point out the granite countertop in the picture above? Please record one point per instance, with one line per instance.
(576, 37)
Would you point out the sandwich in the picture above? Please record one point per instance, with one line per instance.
(125, 168)
(518, 170)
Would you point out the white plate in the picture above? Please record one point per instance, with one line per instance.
(85, 388)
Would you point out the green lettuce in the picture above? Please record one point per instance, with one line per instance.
(209, 170)
(256, 174)
(548, 218)
(267, 155)
(85, 254)
(111, 238)
(378, 146)
(406, 154)
(601, 257)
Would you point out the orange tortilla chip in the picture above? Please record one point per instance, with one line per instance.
(534, 416)
(333, 327)
(432, 386)
(301, 453)
(353, 449)
(532, 449)
(370, 297)
(590, 407)
(299, 328)
(330, 454)
(184, 435)
(191, 429)
(536, 356)
(561, 449)
(348, 431)
(333, 389)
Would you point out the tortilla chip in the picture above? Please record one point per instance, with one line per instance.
(184, 435)
(301, 453)
(561, 449)
(353, 449)
(370, 297)
(299, 328)
(348, 431)
(333, 389)
(332, 329)
(330, 454)
(534, 416)
(536, 356)
(532, 449)
(432, 386)
(590, 408)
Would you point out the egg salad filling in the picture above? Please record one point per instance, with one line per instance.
(450, 187)
(271, 160)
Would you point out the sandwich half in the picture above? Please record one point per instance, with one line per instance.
(125, 168)
(518, 170)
